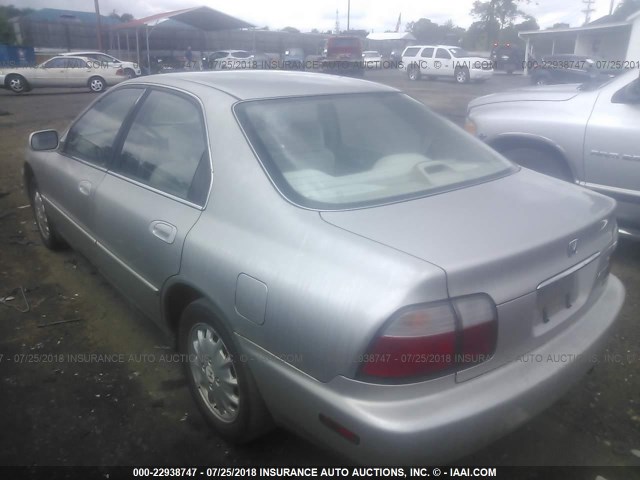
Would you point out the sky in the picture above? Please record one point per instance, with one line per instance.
(370, 15)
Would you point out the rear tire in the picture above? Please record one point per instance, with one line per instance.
(541, 160)
(462, 75)
(414, 73)
(47, 230)
(219, 379)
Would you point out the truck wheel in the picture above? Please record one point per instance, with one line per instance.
(414, 73)
(462, 75)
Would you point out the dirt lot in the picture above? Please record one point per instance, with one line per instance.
(59, 406)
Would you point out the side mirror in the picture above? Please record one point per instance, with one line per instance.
(44, 140)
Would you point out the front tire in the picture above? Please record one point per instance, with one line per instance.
(47, 230)
(129, 73)
(219, 379)
(97, 84)
(17, 84)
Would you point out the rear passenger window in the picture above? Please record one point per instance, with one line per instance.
(91, 138)
(166, 146)
(442, 53)
(427, 53)
(411, 52)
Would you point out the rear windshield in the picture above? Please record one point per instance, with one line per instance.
(358, 150)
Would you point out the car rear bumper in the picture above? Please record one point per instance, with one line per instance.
(420, 424)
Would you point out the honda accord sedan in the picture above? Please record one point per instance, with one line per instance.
(333, 257)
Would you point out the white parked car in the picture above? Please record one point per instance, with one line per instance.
(131, 69)
(62, 71)
(445, 61)
(230, 60)
(372, 59)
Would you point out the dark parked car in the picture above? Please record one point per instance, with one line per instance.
(294, 59)
(507, 57)
(570, 69)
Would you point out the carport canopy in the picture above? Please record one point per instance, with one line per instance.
(203, 18)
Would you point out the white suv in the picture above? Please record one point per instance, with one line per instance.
(131, 69)
(445, 61)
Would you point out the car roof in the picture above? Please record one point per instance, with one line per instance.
(86, 59)
(261, 84)
(85, 52)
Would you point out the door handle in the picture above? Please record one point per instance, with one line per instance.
(85, 187)
(163, 230)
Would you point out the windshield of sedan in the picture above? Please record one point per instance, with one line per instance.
(349, 151)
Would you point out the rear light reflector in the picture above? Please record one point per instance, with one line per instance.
(433, 340)
(341, 430)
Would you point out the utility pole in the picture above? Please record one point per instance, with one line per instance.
(588, 10)
(611, 7)
(348, 15)
(98, 29)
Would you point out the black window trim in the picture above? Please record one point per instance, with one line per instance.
(126, 125)
(450, 57)
(63, 144)
(433, 51)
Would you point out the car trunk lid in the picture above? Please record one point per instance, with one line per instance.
(518, 237)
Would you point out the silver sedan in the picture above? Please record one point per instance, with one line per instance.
(333, 257)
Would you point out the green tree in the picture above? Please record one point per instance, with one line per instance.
(290, 30)
(560, 25)
(496, 15)
(7, 35)
(427, 31)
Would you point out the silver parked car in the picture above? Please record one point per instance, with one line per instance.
(587, 134)
(333, 257)
(131, 69)
(62, 71)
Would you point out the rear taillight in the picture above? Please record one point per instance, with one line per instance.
(434, 339)
(120, 72)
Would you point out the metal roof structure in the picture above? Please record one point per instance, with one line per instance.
(202, 18)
